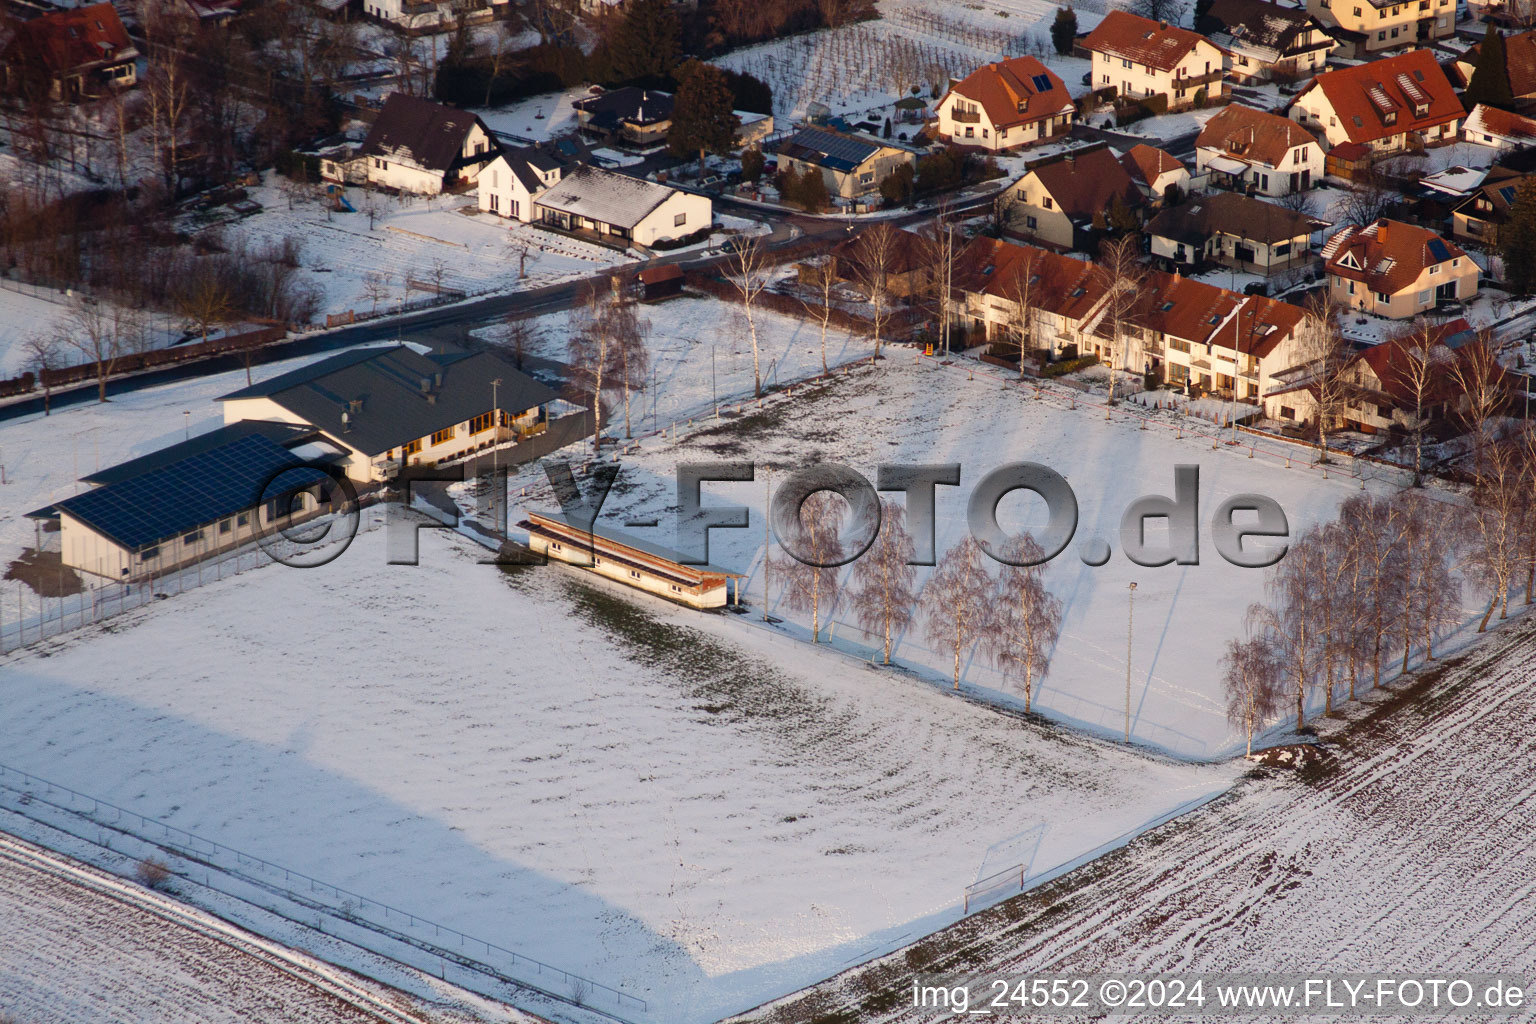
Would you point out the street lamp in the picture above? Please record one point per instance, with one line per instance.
(1130, 614)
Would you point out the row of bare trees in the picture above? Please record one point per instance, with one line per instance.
(606, 350)
(1384, 582)
(1008, 614)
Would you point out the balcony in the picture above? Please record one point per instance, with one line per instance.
(1196, 81)
(965, 116)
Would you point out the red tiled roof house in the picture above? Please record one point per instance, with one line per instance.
(1253, 151)
(1001, 106)
(1396, 270)
(69, 55)
(1057, 199)
(1388, 105)
(1142, 58)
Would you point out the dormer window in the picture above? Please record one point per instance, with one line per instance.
(1390, 117)
(1420, 109)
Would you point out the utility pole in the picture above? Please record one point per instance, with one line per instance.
(713, 399)
(1130, 614)
(767, 540)
(496, 499)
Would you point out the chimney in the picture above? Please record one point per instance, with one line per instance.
(1162, 26)
(1381, 230)
(437, 378)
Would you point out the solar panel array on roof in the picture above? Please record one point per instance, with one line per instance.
(835, 151)
(1507, 193)
(1438, 250)
(193, 492)
(1042, 83)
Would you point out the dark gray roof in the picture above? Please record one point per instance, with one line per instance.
(286, 434)
(629, 105)
(185, 493)
(1257, 22)
(827, 149)
(428, 134)
(381, 391)
(1232, 213)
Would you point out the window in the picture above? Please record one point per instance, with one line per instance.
(1031, 223)
(1383, 298)
(1105, 79)
(634, 574)
(411, 449)
(1357, 12)
(495, 202)
(1380, 37)
(513, 210)
(970, 132)
(676, 589)
(149, 554)
(481, 423)
(1178, 345)
(224, 526)
(596, 560)
(193, 537)
(443, 436)
(1351, 287)
(555, 545)
(1287, 413)
(243, 519)
(1424, 297)
(1124, 63)
(1434, 270)
(1456, 262)
(1023, 196)
(1046, 202)
(1283, 249)
(983, 133)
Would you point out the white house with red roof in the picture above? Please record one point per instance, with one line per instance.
(1012, 103)
(1490, 126)
(1254, 151)
(1154, 171)
(1396, 270)
(1142, 58)
(1388, 105)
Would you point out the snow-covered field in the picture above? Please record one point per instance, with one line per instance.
(920, 412)
(83, 947)
(1405, 852)
(25, 311)
(410, 238)
(605, 786)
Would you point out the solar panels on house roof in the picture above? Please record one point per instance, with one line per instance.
(194, 492)
(1042, 83)
(1438, 250)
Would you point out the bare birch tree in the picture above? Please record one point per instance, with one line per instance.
(1326, 356)
(43, 353)
(1026, 620)
(589, 355)
(1020, 292)
(821, 308)
(1120, 272)
(873, 257)
(883, 584)
(90, 331)
(814, 588)
(957, 602)
(1482, 390)
(1431, 595)
(1419, 373)
(747, 271)
(1251, 679)
(1495, 520)
(1290, 620)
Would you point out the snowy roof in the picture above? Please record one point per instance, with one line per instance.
(606, 197)
(1455, 180)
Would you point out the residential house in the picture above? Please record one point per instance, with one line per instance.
(1233, 230)
(616, 209)
(1383, 388)
(511, 183)
(1519, 61)
(200, 497)
(1387, 105)
(422, 15)
(394, 406)
(1208, 339)
(68, 55)
(1477, 217)
(1142, 59)
(1364, 28)
(1154, 171)
(1005, 105)
(1254, 151)
(627, 559)
(851, 165)
(908, 266)
(1059, 198)
(1396, 270)
(630, 116)
(1267, 41)
(1007, 290)
(1490, 126)
(416, 145)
